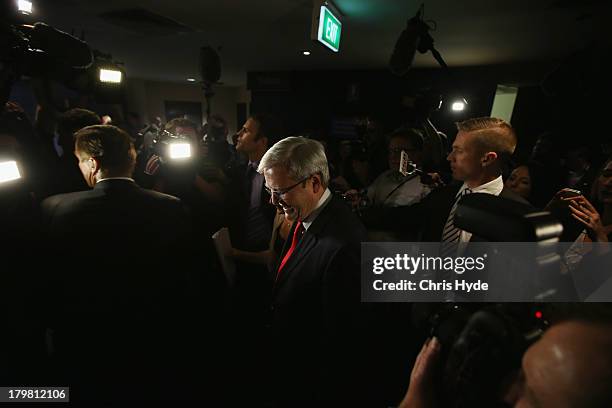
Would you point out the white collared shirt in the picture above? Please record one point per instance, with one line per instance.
(493, 187)
(116, 178)
(323, 201)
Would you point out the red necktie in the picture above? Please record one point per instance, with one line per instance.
(296, 237)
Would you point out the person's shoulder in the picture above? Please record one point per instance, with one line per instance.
(448, 191)
(152, 198)
(157, 196)
(52, 203)
(342, 221)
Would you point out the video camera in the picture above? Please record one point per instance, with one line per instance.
(481, 349)
(169, 147)
(38, 50)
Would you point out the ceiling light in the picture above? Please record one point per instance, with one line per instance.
(459, 105)
(306, 52)
(191, 80)
(24, 6)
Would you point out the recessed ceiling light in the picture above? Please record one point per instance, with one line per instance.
(190, 79)
(459, 105)
(306, 52)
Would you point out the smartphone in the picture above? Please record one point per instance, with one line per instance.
(570, 192)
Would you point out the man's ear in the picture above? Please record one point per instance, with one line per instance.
(264, 140)
(94, 165)
(316, 183)
(488, 159)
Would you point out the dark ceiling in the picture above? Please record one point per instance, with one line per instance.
(160, 40)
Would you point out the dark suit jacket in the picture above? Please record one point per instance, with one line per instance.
(117, 290)
(428, 216)
(316, 309)
(239, 204)
(115, 203)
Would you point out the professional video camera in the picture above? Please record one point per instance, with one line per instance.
(481, 348)
(38, 50)
(169, 147)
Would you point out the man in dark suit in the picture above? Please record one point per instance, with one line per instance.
(116, 304)
(252, 225)
(250, 218)
(315, 308)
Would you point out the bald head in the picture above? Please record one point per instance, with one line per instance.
(571, 366)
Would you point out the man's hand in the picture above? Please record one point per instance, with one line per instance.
(421, 390)
(434, 180)
(353, 197)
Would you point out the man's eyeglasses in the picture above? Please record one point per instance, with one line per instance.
(279, 193)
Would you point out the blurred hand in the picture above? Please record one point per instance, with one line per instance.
(435, 180)
(583, 211)
(421, 392)
(561, 198)
(13, 107)
(353, 197)
(233, 253)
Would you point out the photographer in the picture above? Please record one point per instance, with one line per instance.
(391, 188)
(193, 179)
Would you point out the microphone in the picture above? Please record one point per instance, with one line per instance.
(405, 48)
(210, 65)
(415, 37)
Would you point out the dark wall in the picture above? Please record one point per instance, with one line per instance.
(567, 97)
(310, 99)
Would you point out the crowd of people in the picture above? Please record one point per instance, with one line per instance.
(131, 303)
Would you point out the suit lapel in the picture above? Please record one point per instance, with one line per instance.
(306, 244)
(302, 249)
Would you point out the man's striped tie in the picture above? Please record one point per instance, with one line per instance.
(450, 233)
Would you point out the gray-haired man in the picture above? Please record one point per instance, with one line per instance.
(316, 296)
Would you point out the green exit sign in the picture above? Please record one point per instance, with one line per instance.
(330, 29)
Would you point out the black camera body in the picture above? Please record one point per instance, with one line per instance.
(482, 349)
(40, 50)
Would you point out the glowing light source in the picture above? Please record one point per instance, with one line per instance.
(180, 150)
(24, 6)
(306, 52)
(9, 171)
(458, 106)
(110, 76)
(191, 80)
